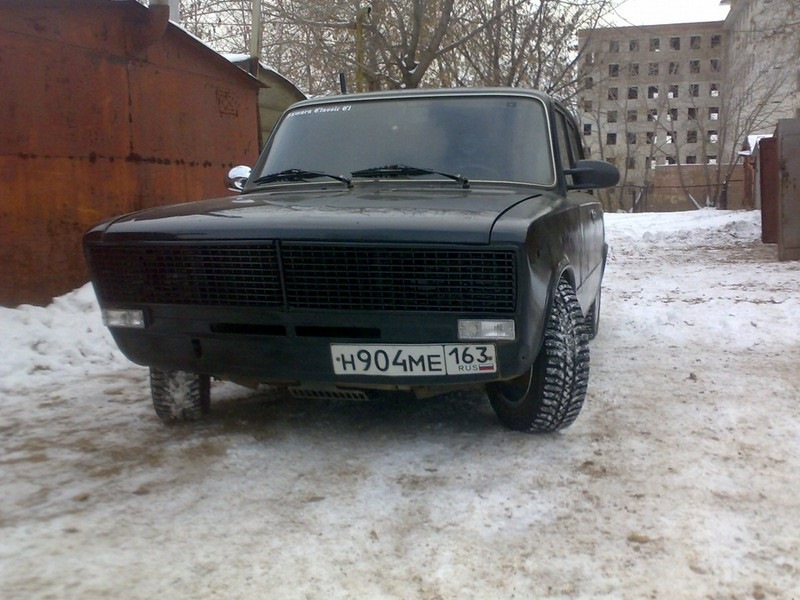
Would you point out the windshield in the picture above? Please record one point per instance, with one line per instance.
(499, 138)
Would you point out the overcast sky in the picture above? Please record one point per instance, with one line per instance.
(653, 12)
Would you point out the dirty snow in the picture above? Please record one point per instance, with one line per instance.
(678, 480)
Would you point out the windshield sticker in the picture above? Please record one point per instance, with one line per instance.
(321, 110)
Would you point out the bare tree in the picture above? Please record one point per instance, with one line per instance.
(408, 43)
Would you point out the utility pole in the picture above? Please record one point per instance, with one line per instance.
(174, 8)
(362, 14)
(255, 32)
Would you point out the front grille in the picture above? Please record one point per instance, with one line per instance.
(308, 276)
(384, 279)
(213, 275)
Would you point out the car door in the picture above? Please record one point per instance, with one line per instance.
(589, 209)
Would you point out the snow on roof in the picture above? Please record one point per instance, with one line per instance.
(236, 58)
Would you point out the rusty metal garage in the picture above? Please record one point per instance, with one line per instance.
(107, 107)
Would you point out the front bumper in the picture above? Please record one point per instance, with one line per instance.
(289, 348)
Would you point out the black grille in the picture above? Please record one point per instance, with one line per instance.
(216, 275)
(315, 276)
(381, 279)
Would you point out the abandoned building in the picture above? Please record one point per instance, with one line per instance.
(671, 105)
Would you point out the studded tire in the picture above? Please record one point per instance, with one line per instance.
(593, 318)
(549, 396)
(179, 396)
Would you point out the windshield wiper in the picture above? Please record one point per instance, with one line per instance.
(300, 175)
(400, 170)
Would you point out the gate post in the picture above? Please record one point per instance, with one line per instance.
(788, 134)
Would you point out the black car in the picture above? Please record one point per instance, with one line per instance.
(425, 241)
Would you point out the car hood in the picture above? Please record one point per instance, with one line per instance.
(377, 213)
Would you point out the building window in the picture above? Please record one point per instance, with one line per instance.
(694, 42)
(651, 137)
(649, 163)
(590, 58)
(655, 45)
(633, 45)
(633, 69)
(652, 69)
(671, 160)
(694, 90)
(631, 162)
(713, 113)
(611, 139)
(633, 116)
(673, 91)
(613, 93)
(652, 91)
(588, 83)
(714, 90)
(613, 46)
(631, 138)
(587, 129)
(613, 70)
(692, 114)
(633, 93)
(672, 115)
(713, 136)
(691, 160)
(611, 116)
(652, 114)
(712, 159)
(691, 136)
(674, 68)
(716, 66)
(587, 106)
(716, 40)
(694, 66)
(675, 43)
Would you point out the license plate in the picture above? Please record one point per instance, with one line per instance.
(413, 359)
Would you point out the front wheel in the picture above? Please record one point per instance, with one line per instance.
(179, 396)
(549, 396)
(593, 317)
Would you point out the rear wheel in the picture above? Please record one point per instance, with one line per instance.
(549, 396)
(179, 396)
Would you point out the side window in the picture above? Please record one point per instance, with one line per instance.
(563, 143)
(575, 142)
(569, 143)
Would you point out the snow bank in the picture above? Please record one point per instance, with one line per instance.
(63, 341)
(678, 479)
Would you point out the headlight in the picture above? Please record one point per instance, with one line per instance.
(486, 329)
(121, 317)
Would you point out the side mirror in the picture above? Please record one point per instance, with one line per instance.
(237, 177)
(592, 174)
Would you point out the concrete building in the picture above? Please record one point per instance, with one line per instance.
(673, 105)
(764, 63)
(653, 97)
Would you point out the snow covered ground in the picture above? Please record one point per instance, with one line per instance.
(678, 480)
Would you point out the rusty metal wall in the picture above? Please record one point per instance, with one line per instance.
(788, 135)
(105, 109)
(769, 188)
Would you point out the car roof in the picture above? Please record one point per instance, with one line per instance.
(429, 93)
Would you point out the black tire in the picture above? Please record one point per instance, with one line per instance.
(179, 396)
(593, 317)
(549, 396)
